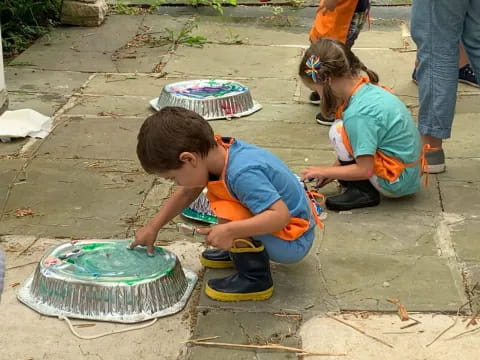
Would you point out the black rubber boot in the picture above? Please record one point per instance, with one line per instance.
(358, 194)
(216, 259)
(252, 281)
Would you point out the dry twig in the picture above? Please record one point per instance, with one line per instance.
(267, 346)
(454, 323)
(360, 330)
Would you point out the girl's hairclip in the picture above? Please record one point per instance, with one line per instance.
(313, 64)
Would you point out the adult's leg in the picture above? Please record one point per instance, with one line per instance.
(471, 34)
(437, 26)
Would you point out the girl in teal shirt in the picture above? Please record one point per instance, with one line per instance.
(377, 144)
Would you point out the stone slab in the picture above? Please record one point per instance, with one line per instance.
(309, 136)
(76, 198)
(92, 138)
(464, 140)
(21, 322)
(362, 281)
(381, 233)
(41, 57)
(241, 61)
(410, 343)
(13, 147)
(299, 288)
(461, 198)
(9, 168)
(43, 81)
(379, 39)
(271, 91)
(459, 169)
(231, 34)
(98, 39)
(464, 237)
(46, 104)
(244, 328)
(121, 106)
(142, 59)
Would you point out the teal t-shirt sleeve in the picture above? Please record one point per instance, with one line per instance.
(254, 190)
(363, 133)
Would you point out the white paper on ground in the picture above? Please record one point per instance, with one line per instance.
(22, 123)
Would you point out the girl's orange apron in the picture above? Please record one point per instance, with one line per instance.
(334, 24)
(385, 166)
(225, 206)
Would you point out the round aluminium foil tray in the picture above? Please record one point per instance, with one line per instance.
(213, 99)
(200, 210)
(103, 280)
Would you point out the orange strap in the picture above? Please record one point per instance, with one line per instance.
(385, 166)
(225, 205)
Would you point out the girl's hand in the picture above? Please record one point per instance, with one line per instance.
(312, 172)
(327, 5)
(218, 236)
(322, 182)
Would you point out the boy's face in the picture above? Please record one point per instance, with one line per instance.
(192, 174)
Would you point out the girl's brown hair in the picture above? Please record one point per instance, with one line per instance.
(336, 60)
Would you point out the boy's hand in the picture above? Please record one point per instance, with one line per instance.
(145, 236)
(218, 236)
(327, 5)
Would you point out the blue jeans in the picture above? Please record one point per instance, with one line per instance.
(287, 252)
(437, 28)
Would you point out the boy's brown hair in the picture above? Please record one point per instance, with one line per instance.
(336, 60)
(169, 132)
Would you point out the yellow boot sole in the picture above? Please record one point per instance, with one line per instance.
(255, 296)
(216, 264)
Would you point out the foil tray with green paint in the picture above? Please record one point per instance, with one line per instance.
(200, 210)
(103, 280)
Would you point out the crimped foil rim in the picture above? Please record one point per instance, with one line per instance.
(256, 106)
(24, 296)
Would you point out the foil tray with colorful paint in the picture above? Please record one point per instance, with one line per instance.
(213, 99)
(104, 280)
(200, 210)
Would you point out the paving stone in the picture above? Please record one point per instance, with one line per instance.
(309, 136)
(13, 147)
(76, 198)
(91, 138)
(464, 237)
(245, 61)
(43, 81)
(245, 328)
(265, 92)
(399, 233)
(46, 104)
(249, 35)
(130, 106)
(9, 168)
(362, 281)
(464, 140)
(461, 198)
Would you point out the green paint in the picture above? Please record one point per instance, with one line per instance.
(111, 261)
(93, 246)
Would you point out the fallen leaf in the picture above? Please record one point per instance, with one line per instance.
(402, 312)
(14, 284)
(23, 212)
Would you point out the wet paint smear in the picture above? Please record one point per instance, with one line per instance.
(110, 261)
(206, 89)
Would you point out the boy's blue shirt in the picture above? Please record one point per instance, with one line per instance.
(258, 178)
